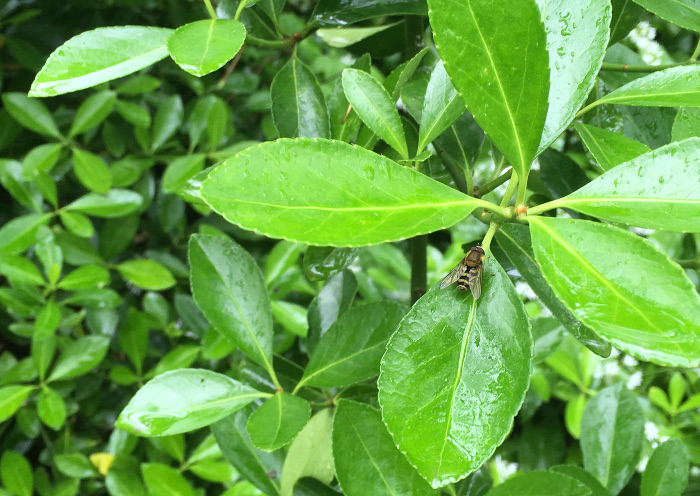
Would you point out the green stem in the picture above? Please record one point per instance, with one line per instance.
(491, 185)
(462, 179)
(254, 40)
(486, 243)
(544, 207)
(696, 53)
(419, 263)
(510, 189)
(522, 191)
(210, 9)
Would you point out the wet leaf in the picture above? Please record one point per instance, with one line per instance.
(540, 483)
(334, 299)
(652, 315)
(342, 12)
(277, 422)
(667, 470)
(184, 400)
(441, 107)
(330, 193)
(683, 13)
(608, 148)
(323, 262)
(454, 375)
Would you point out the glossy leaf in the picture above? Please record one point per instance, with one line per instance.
(683, 13)
(454, 375)
(310, 454)
(77, 224)
(366, 460)
(228, 287)
(667, 471)
(657, 190)
(11, 398)
(146, 274)
(652, 316)
(92, 112)
(16, 473)
(577, 36)
(92, 171)
(291, 316)
(609, 148)
(560, 175)
(344, 37)
(515, 240)
(162, 479)
(277, 422)
(334, 299)
(32, 114)
(547, 333)
(342, 12)
(330, 193)
(504, 76)
(180, 170)
(375, 107)
(183, 400)
(85, 277)
(79, 357)
(298, 104)
(540, 483)
(116, 203)
(612, 434)
(167, 120)
(100, 55)
(442, 106)
(202, 47)
(323, 262)
(582, 476)
(352, 348)
(51, 408)
(625, 16)
(686, 124)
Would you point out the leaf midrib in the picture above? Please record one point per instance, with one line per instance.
(350, 209)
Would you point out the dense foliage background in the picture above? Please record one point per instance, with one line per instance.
(102, 218)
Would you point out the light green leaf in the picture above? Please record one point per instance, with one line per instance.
(16, 473)
(441, 107)
(47, 321)
(503, 76)
(652, 318)
(11, 398)
(344, 37)
(612, 433)
(92, 112)
(80, 357)
(77, 224)
(376, 108)
(204, 46)
(228, 287)
(116, 203)
(450, 353)
(686, 124)
(609, 148)
(657, 190)
(162, 479)
(40, 159)
(277, 422)
(51, 408)
(100, 55)
(330, 193)
(184, 400)
(291, 316)
(32, 114)
(146, 274)
(683, 13)
(180, 170)
(85, 277)
(20, 270)
(42, 352)
(540, 483)
(298, 104)
(92, 171)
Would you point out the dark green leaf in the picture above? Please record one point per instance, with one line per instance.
(608, 148)
(133, 337)
(32, 114)
(582, 476)
(331, 12)
(80, 357)
(667, 471)
(625, 16)
(683, 13)
(344, 37)
(547, 333)
(162, 479)
(277, 422)
(167, 120)
(134, 113)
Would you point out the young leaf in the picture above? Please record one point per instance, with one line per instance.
(504, 75)
(11, 398)
(683, 13)
(310, 454)
(367, 198)
(116, 203)
(612, 433)
(184, 400)
(667, 470)
(277, 422)
(92, 112)
(146, 274)
(375, 107)
(32, 114)
(92, 171)
(609, 148)
(402, 74)
(366, 459)
(654, 319)
(540, 483)
(436, 411)
(100, 55)
(352, 348)
(657, 190)
(162, 479)
(202, 47)
(298, 104)
(515, 241)
(577, 36)
(80, 357)
(228, 287)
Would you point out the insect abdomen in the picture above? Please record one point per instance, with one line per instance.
(463, 281)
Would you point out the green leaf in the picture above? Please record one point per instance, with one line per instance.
(32, 114)
(47, 321)
(298, 104)
(79, 357)
(625, 16)
(19, 270)
(310, 454)
(228, 287)
(547, 333)
(133, 337)
(92, 171)
(100, 55)
(77, 224)
(352, 348)
(686, 124)
(344, 37)
(85, 277)
(51, 408)
(167, 121)
(582, 476)
(280, 259)
(675, 87)
(275, 189)
(180, 170)
(609, 148)
(612, 433)
(323, 262)
(291, 316)
(366, 460)
(683, 13)
(202, 47)
(331, 12)
(515, 241)
(667, 471)
(464, 349)
(504, 75)
(657, 190)
(42, 352)
(16, 473)
(183, 400)
(116, 203)
(74, 465)
(277, 422)
(95, 299)
(441, 107)
(334, 299)
(146, 274)
(653, 320)
(134, 113)
(92, 112)
(577, 36)
(41, 159)
(402, 74)
(162, 479)
(376, 108)
(540, 483)
(11, 398)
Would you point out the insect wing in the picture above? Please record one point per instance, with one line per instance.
(475, 276)
(454, 274)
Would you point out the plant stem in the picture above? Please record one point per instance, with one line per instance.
(491, 185)
(696, 53)
(210, 9)
(486, 243)
(462, 180)
(510, 189)
(543, 208)
(522, 191)
(419, 262)
(253, 40)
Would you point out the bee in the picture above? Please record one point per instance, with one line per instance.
(468, 272)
